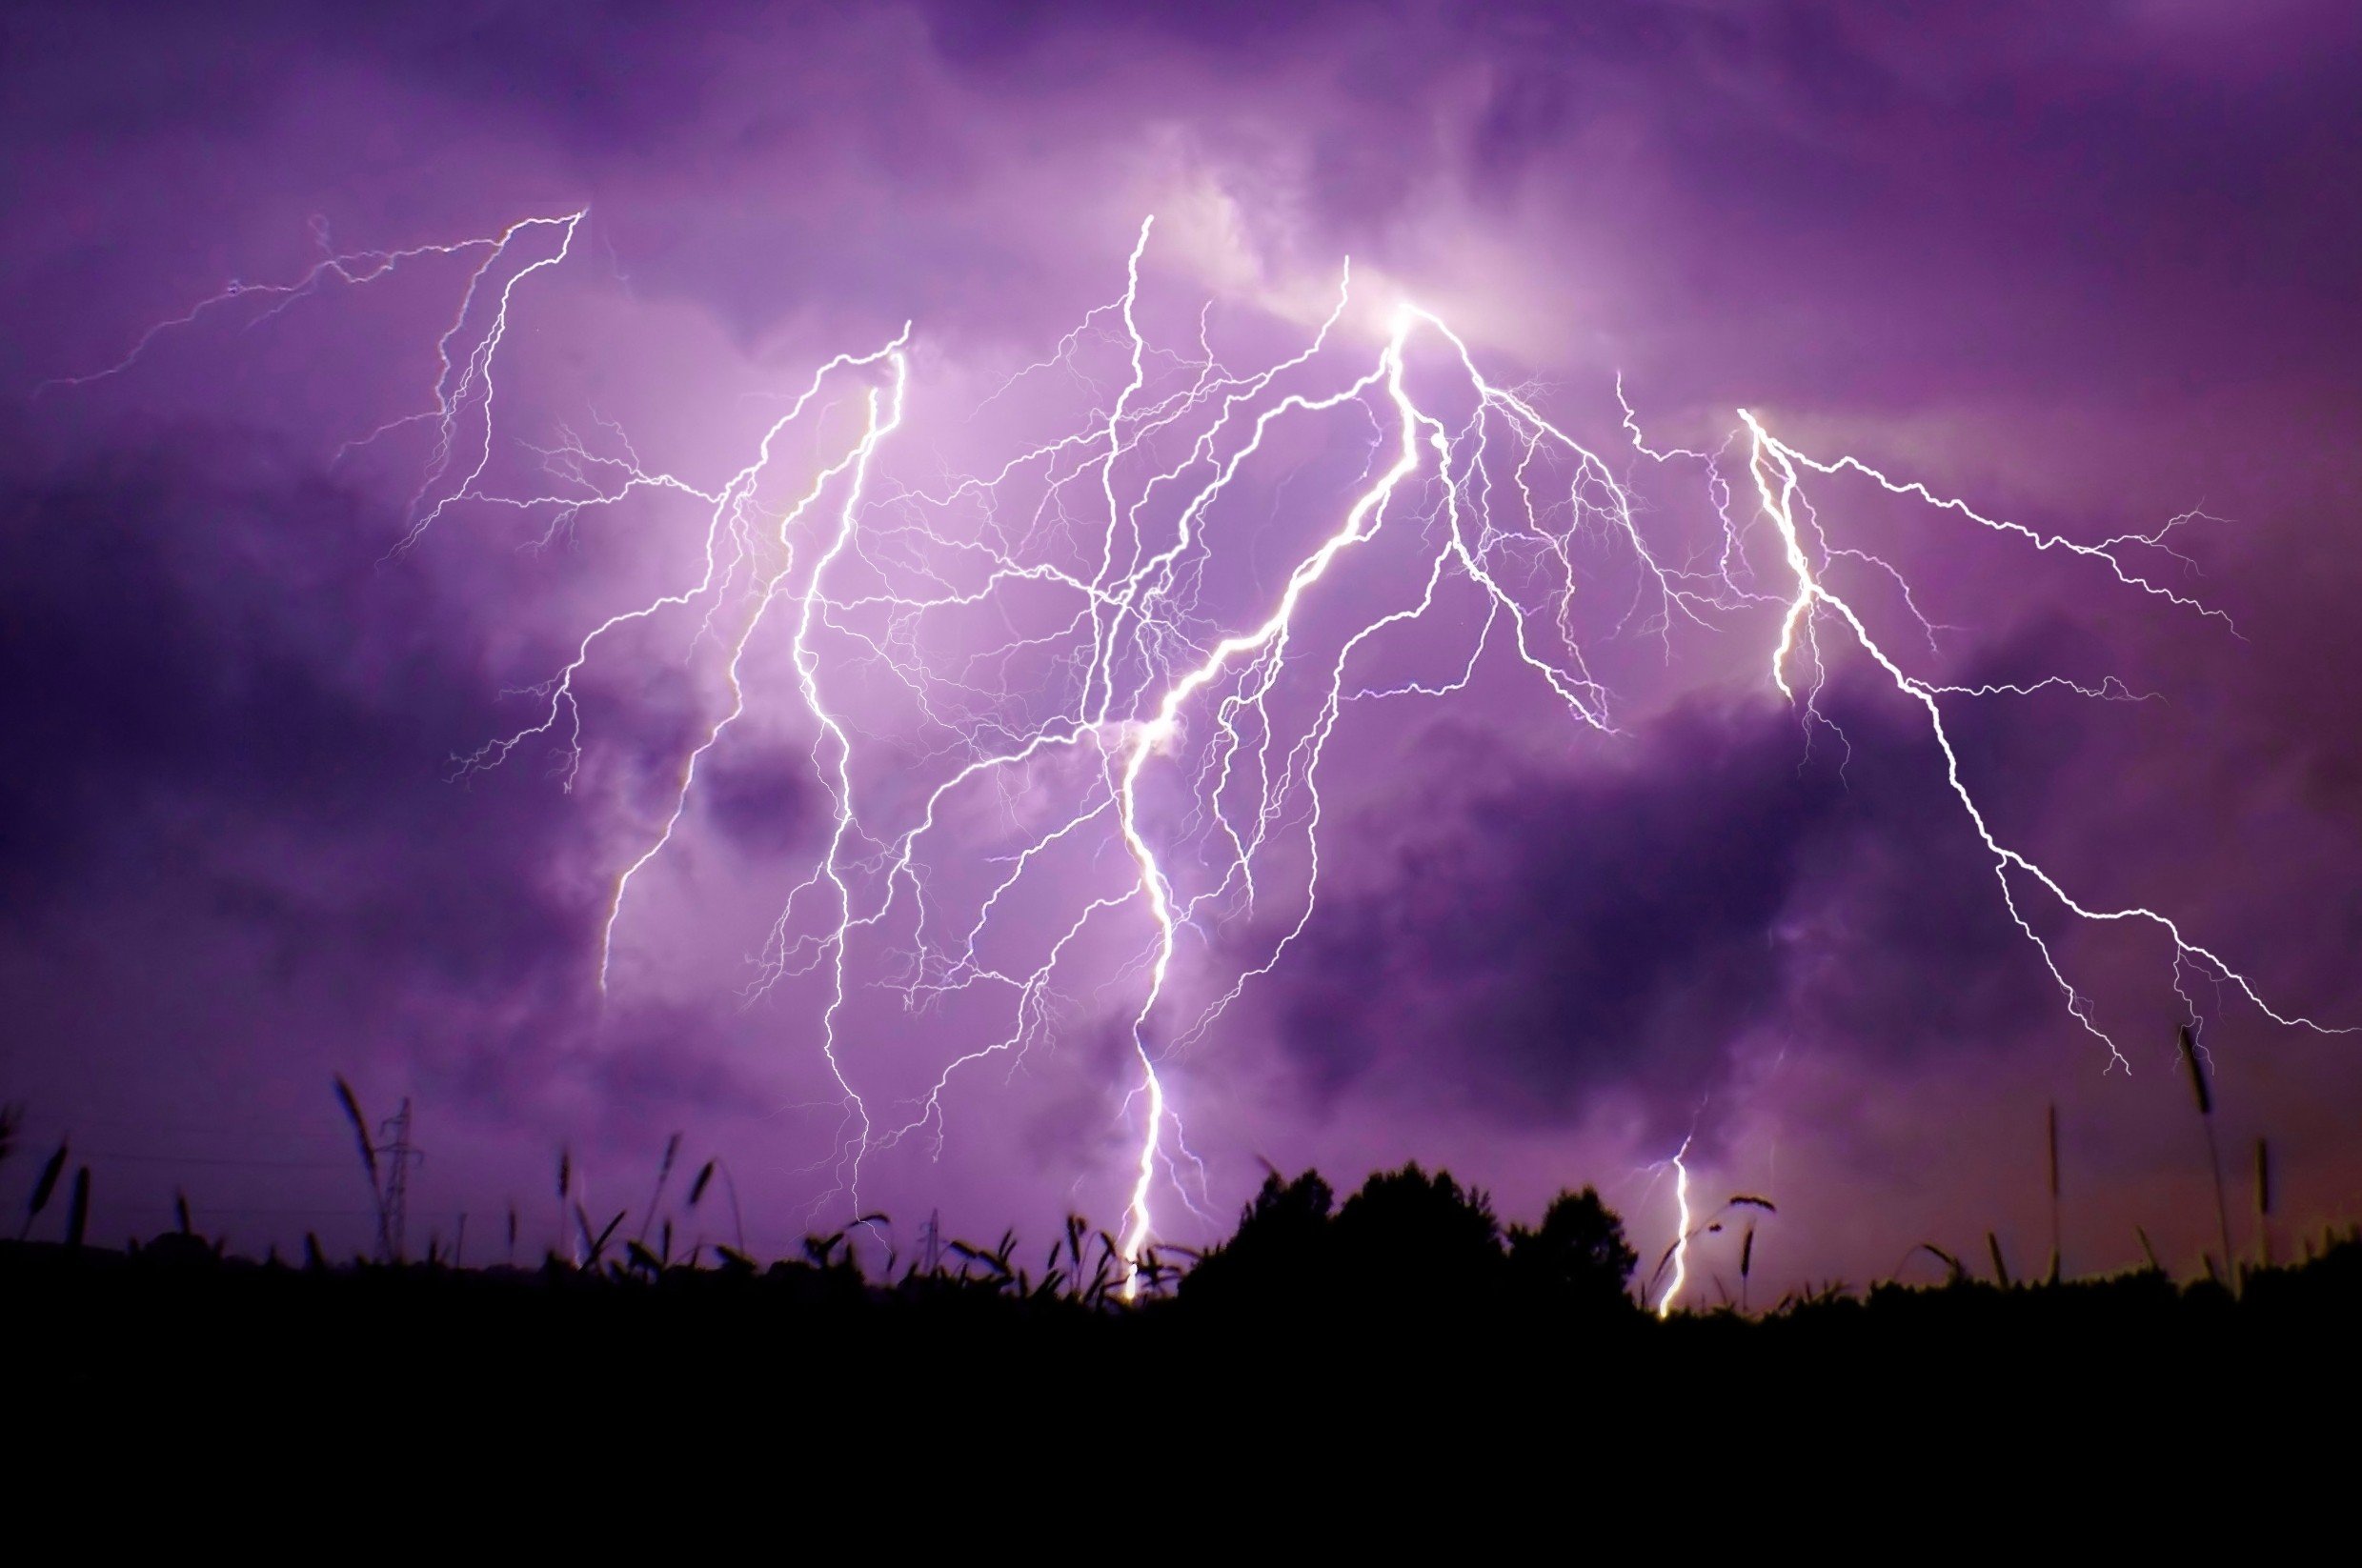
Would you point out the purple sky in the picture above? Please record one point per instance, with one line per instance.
(2086, 268)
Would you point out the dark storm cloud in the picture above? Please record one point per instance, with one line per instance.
(762, 799)
(656, 1068)
(2124, 167)
(992, 38)
(1542, 939)
(236, 721)
(222, 697)
(1848, 189)
(1839, 195)
(616, 75)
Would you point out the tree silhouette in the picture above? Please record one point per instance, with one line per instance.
(1411, 1238)
(1576, 1259)
(1409, 1242)
(1280, 1256)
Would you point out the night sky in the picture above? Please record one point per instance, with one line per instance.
(2087, 268)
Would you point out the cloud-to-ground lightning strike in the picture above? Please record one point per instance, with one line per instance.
(1144, 685)
(1682, 1232)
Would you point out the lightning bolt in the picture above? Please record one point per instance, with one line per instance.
(1776, 470)
(1682, 1230)
(356, 268)
(1100, 675)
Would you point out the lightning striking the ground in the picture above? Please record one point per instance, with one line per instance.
(1682, 1232)
(1067, 648)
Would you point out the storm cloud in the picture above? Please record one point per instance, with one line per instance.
(1728, 879)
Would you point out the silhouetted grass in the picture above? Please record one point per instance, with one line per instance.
(1411, 1285)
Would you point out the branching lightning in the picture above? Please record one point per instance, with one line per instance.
(1106, 679)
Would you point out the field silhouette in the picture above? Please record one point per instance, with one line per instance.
(1408, 1307)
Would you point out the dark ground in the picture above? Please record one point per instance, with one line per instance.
(501, 1379)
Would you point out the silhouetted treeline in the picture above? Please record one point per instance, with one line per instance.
(1411, 1244)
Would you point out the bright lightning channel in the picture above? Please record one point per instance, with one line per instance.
(1682, 1232)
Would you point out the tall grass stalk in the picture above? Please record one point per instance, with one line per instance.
(2054, 1192)
(352, 1105)
(565, 1190)
(664, 1174)
(2263, 1203)
(43, 1186)
(2213, 1152)
(78, 1209)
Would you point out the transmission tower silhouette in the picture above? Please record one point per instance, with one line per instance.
(393, 1199)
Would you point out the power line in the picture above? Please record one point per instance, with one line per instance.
(278, 1132)
(286, 1213)
(216, 1159)
(326, 1213)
